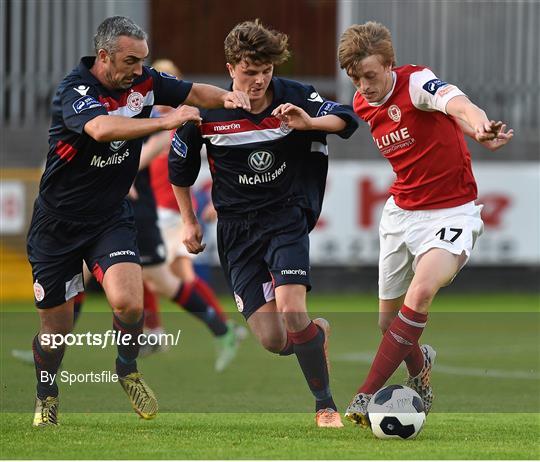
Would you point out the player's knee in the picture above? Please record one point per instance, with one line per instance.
(420, 295)
(128, 307)
(272, 343)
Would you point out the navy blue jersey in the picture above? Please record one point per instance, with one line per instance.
(256, 161)
(144, 207)
(84, 179)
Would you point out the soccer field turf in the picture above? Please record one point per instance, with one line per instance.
(486, 381)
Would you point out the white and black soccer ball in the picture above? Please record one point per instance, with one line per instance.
(396, 411)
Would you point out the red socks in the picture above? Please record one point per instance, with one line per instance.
(152, 319)
(399, 341)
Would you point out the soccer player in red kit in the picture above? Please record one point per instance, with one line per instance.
(430, 222)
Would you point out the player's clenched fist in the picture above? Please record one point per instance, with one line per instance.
(192, 237)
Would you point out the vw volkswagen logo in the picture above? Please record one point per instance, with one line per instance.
(261, 161)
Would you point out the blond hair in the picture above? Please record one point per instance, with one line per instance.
(362, 40)
(250, 40)
(167, 66)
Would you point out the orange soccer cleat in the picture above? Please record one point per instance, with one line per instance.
(328, 418)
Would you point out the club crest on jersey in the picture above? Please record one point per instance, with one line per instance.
(261, 161)
(394, 113)
(239, 302)
(39, 291)
(116, 145)
(284, 128)
(135, 101)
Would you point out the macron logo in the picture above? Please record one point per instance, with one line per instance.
(221, 128)
(287, 272)
(120, 253)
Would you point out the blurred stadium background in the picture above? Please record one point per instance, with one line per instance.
(489, 49)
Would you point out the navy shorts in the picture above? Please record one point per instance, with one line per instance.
(263, 250)
(57, 247)
(151, 245)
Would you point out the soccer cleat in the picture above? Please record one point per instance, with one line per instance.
(328, 418)
(357, 411)
(25, 356)
(140, 395)
(226, 347)
(325, 326)
(421, 384)
(240, 331)
(46, 413)
(147, 350)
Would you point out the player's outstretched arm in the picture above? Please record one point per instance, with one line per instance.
(484, 129)
(295, 117)
(208, 96)
(107, 128)
(503, 136)
(192, 234)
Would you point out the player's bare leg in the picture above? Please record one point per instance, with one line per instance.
(47, 359)
(434, 269)
(310, 343)
(268, 327)
(123, 287)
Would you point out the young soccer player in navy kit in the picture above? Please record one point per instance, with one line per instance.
(269, 167)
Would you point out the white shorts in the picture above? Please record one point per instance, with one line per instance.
(405, 235)
(170, 224)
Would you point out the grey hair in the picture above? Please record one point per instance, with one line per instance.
(109, 30)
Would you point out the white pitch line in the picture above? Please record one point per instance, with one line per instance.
(367, 358)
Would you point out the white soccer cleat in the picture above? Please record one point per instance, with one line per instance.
(357, 411)
(421, 384)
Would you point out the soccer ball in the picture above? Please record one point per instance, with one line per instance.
(396, 411)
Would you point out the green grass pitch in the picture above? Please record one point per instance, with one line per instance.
(486, 380)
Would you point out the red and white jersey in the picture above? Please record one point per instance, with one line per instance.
(425, 146)
(159, 180)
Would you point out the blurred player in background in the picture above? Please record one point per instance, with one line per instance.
(100, 114)
(430, 222)
(269, 169)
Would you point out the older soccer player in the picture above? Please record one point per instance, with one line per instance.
(99, 115)
(431, 221)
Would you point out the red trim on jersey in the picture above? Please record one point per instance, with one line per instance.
(239, 126)
(112, 104)
(65, 150)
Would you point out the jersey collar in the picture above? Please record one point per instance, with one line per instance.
(387, 97)
(84, 68)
